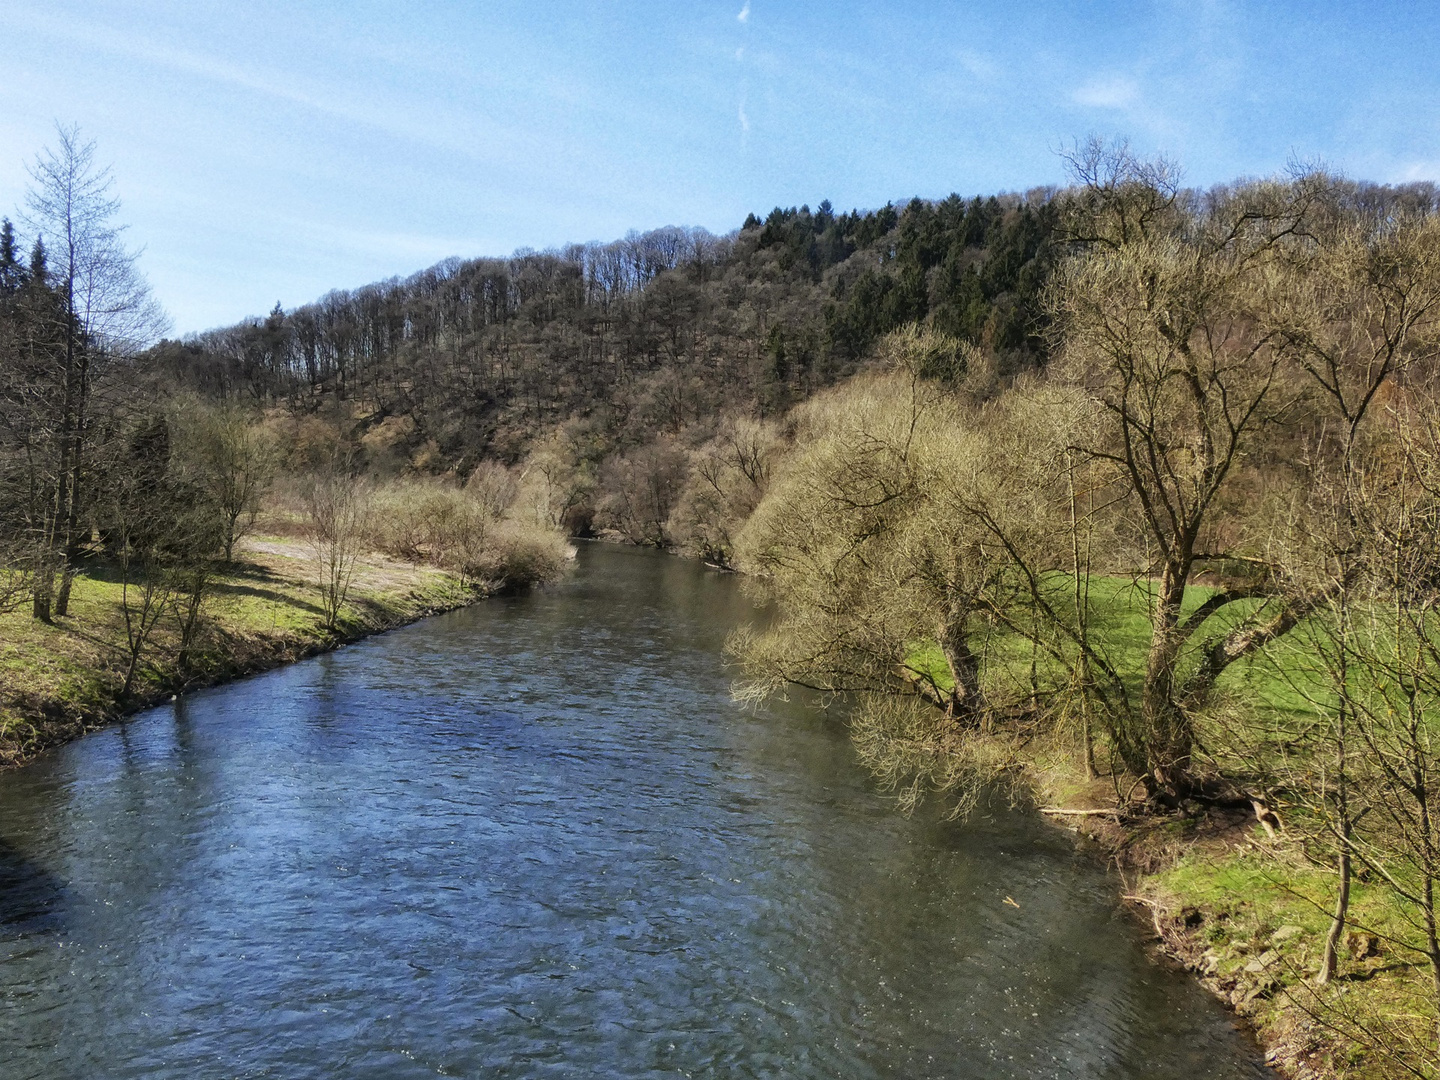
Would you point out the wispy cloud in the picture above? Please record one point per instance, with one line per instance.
(386, 246)
(1420, 170)
(450, 133)
(744, 15)
(1108, 92)
(978, 64)
(744, 120)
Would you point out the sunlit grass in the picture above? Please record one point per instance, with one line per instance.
(1258, 909)
(1119, 629)
(57, 678)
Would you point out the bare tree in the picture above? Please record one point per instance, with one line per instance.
(146, 518)
(1362, 323)
(494, 488)
(728, 477)
(643, 488)
(1167, 323)
(231, 457)
(105, 311)
(555, 481)
(1394, 696)
(337, 508)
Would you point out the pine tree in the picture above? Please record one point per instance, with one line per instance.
(12, 270)
(39, 263)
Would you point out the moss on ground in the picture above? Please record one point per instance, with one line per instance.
(58, 681)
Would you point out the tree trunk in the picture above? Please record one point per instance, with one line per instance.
(1337, 922)
(69, 437)
(81, 366)
(1432, 948)
(1081, 575)
(1088, 735)
(1342, 808)
(966, 702)
(43, 590)
(191, 620)
(67, 575)
(1429, 865)
(1167, 734)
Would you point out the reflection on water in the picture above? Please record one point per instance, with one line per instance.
(536, 839)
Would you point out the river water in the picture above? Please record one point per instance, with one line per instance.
(535, 838)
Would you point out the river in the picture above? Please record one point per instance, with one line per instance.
(535, 838)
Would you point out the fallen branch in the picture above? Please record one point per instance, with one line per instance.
(1060, 810)
(1154, 912)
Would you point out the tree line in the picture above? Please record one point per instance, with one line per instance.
(72, 318)
(652, 333)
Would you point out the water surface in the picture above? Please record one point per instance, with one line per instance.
(535, 838)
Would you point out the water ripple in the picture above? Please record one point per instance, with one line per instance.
(536, 839)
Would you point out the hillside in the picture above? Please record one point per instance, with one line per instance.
(653, 335)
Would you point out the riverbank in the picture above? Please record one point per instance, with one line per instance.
(1242, 908)
(61, 680)
(1242, 903)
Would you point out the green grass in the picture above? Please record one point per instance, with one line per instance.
(58, 680)
(1258, 917)
(1119, 629)
(1250, 914)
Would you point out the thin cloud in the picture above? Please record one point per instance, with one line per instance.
(744, 15)
(386, 245)
(1420, 170)
(978, 64)
(1111, 92)
(744, 120)
(335, 103)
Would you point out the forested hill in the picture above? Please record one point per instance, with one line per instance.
(655, 334)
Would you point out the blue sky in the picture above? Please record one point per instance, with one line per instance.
(274, 150)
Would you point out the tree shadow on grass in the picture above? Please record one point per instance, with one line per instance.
(101, 567)
(256, 581)
(252, 571)
(370, 611)
(98, 568)
(274, 596)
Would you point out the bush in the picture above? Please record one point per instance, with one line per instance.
(468, 531)
(518, 555)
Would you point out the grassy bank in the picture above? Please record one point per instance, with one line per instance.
(59, 681)
(1243, 906)
(1247, 913)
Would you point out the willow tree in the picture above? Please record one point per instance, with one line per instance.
(1364, 326)
(888, 541)
(728, 477)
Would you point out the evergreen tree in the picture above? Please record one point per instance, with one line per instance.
(12, 271)
(39, 263)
